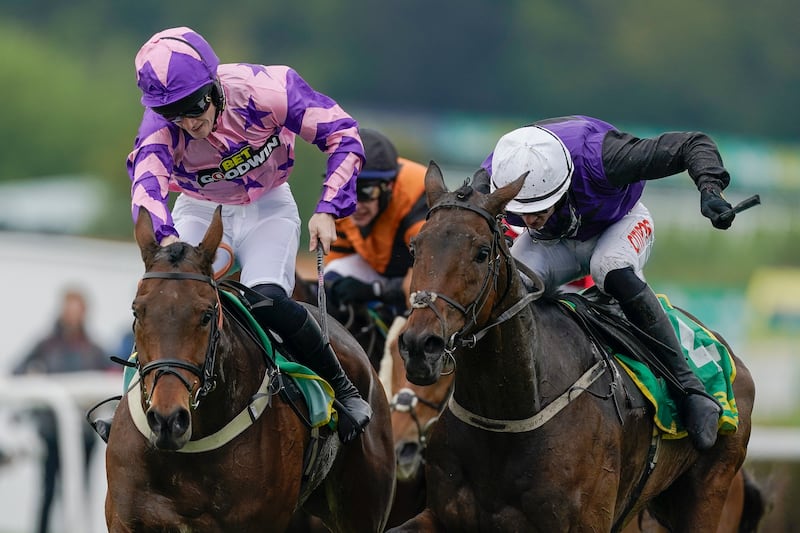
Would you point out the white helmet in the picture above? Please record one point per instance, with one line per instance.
(539, 152)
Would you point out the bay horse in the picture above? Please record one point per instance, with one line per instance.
(415, 410)
(226, 448)
(541, 433)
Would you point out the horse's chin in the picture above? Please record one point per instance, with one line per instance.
(422, 377)
(170, 443)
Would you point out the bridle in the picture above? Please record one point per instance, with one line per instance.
(205, 373)
(406, 401)
(422, 299)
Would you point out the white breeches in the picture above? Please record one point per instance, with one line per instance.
(626, 243)
(264, 235)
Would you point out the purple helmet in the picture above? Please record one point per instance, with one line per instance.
(172, 65)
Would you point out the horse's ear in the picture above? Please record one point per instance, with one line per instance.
(499, 198)
(145, 236)
(480, 181)
(434, 183)
(208, 246)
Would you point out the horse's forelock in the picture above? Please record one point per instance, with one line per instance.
(179, 253)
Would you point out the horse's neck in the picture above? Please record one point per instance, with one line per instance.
(238, 372)
(498, 378)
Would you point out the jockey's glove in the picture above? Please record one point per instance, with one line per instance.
(714, 207)
(349, 290)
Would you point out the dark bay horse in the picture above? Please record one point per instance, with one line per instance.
(541, 433)
(225, 449)
(415, 410)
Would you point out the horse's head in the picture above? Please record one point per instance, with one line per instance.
(177, 318)
(462, 271)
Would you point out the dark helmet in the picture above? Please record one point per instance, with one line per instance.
(379, 170)
(381, 156)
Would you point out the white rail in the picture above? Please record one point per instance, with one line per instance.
(67, 395)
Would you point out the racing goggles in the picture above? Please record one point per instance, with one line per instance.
(194, 111)
(191, 106)
(368, 191)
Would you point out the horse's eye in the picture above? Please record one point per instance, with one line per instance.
(483, 253)
(411, 249)
(207, 316)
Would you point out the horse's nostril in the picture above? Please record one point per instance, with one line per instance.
(180, 422)
(155, 421)
(434, 344)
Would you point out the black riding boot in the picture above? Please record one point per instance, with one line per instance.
(308, 346)
(700, 413)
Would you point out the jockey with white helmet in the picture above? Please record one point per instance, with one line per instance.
(580, 204)
(225, 134)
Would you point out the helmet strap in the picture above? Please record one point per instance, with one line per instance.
(218, 99)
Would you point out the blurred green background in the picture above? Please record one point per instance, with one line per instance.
(445, 80)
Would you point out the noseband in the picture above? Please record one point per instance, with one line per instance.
(205, 373)
(406, 401)
(423, 299)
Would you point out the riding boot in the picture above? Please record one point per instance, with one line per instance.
(699, 411)
(311, 350)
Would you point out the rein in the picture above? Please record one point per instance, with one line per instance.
(204, 373)
(423, 299)
(259, 401)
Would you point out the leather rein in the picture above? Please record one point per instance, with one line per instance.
(169, 366)
(423, 299)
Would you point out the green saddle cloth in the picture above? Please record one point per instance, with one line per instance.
(317, 392)
(707, 357)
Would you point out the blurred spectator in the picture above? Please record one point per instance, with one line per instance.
(67, 348)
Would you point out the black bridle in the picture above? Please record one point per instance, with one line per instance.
(406, 401)
(423, 299)
(205, 373)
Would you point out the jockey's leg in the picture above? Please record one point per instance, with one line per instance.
(303, 337)
(699, 411)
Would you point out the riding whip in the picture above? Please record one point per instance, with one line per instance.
(741, 206)
(321, 294)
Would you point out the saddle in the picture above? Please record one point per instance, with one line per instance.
(603, 319)
(637, 353)
(297, 382)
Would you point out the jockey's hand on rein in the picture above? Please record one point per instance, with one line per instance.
(351, 290)
(714, 207)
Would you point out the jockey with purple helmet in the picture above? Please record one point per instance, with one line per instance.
(225, 134)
